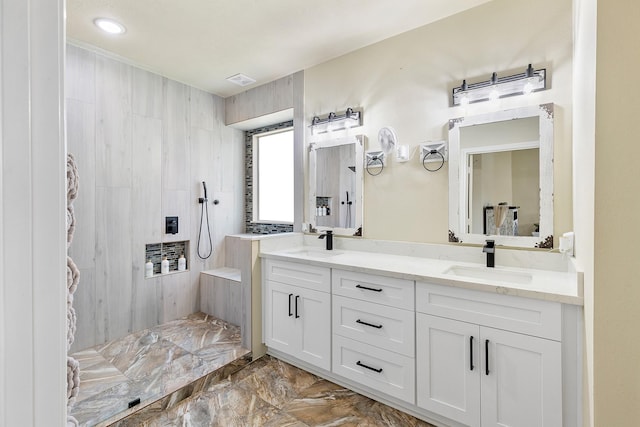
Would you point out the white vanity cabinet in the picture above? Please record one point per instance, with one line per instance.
(374, 332)
(486, 359)
(297, 317)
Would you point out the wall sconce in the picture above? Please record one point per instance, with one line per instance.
(500, 87)
(336, 122)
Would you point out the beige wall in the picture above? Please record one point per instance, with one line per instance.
(616, 292)
(405, 82)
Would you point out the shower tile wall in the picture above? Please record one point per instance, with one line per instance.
(143, 144)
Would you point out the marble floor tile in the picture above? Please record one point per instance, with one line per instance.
(193, 372)
(97, 378)
(271, 393)
(223, 405)
(161, 366)
(88, 358)
(277, 382)
(326, 403)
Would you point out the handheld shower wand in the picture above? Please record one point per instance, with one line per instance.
(204, 199)
(205, 207)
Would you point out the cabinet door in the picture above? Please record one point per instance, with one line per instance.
(280, 327)
(312, 313)
(523, 386)
(448, 368)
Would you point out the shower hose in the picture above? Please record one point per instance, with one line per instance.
(205, 207)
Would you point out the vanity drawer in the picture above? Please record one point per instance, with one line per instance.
(382, 370)
(369, 287)
(387, 327)
(523, 315)
(297, 274)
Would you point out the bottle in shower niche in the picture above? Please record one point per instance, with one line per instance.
(164, 266)
(148, 269)
(182, 263)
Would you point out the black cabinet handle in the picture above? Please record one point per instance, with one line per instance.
(471, 352)
(369, 289)
(290, 313)
(369, 324)
(378, 370)
(297, 298)
(486, 356)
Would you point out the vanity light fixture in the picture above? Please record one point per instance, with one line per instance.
(333, 121)
(500, 87)
(110, 26)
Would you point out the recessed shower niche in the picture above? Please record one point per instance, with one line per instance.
(155, 252)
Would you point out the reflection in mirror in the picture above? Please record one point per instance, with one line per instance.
(335, 186)
(501, 182)
(335, 196)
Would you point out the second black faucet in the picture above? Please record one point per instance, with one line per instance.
(329, 236)
(490, 249)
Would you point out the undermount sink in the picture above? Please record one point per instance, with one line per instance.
(491, 274)
(314, 253)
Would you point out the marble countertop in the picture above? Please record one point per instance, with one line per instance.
(563, 287)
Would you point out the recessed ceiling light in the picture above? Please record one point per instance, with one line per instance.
(109, 25)
(241, 80)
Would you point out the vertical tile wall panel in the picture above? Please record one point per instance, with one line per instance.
(202, 169)
(147, 94)
(147, 179)
(170, 286)
(146, 211)
(113, 124)
(201, 109)
(81, 143)
(80, 75)
(114, 262)
(175, 142)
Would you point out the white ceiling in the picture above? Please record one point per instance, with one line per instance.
(202, 42)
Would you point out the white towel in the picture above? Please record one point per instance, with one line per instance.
(72, 179)
(71, 224)
(71, 325)
(73, 380)
(73, 276)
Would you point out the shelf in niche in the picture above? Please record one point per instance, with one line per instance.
(172, 250)
(170, 273)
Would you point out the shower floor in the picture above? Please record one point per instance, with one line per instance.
(170, 361)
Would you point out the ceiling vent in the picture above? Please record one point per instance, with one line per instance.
(241, 80)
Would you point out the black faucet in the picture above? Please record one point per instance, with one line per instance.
(329, 236)
(490, 249)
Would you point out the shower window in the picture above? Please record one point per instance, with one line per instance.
(273, 177)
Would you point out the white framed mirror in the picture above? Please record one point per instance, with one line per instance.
(335, 186)
(501, 177)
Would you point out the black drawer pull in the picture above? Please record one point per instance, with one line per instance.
(486, 356)
(369, 324)
(471, 352)
(369, 289)
(290, 313)
(297, 298)
(378, 370)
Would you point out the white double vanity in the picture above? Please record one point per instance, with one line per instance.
(429, 329)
